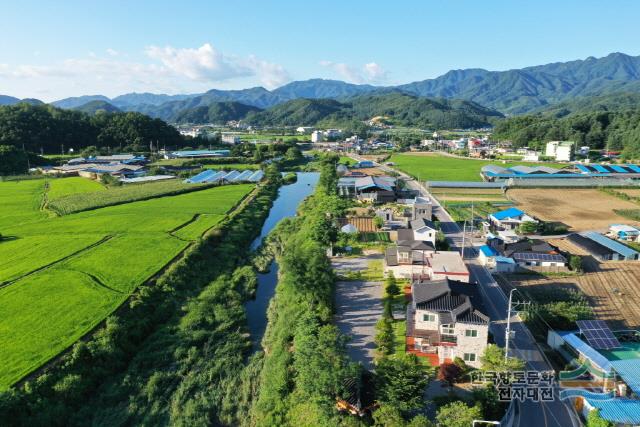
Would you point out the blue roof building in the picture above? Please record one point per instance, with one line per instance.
(623, 252)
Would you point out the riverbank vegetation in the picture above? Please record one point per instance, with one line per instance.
(305, 366)
(172, 355)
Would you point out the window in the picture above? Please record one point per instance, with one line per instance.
(448, 329)
(429, 317)
(469, 357)
(471, 333)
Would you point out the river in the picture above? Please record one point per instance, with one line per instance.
(286, 204)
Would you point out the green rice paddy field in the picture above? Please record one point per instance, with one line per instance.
(435, 167)
(61, 275)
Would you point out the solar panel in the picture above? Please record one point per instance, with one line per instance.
(538, 256)
(598, 334)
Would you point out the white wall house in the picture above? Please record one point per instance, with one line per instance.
(562, 151)
(316, 136)
(509, 219)
(443, 320)
(424, 231)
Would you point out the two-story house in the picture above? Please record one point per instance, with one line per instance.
(444, 321)
(424, 230)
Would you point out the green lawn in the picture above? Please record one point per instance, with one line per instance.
(61, 187)
(444, 168)
(44, 312)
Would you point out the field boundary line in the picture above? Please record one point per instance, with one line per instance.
(51, 264)
(54, 360)
(141, 199)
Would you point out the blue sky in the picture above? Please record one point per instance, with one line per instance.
(50, 50)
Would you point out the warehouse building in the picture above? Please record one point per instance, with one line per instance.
(602, 248)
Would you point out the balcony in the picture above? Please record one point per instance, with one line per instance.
(451, 339)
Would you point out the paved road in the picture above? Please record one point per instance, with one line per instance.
(358, 308)
(530, 414)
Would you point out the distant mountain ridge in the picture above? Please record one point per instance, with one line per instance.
(10, 100)
(514, 91)
(396, 107)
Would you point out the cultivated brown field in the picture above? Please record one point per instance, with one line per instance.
(468, 194)
(613, 289)
(580, 209)
(633, 192)
(363, 224)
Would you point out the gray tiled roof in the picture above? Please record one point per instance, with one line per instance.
(461, 301)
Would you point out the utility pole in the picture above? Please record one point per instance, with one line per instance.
(464, 229)
(507, 332)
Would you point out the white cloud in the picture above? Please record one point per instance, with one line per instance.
(375, 72)
(162, 69)
(207, 64)
(368, 73)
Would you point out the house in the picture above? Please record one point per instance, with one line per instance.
(624, 232)
(411, 259)
(445, 321)
(421, 207)
(509, 219)
(537, 259)
(562, 151)
(316, 136)
(508, 236)
(230, 139)
(424, 230)
(385, 214)
(494, 262)
(304, 129)
(375, 189)
(447, 265)
(602, 248)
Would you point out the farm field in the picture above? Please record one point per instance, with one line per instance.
(437, 167)
(83, 200)
(580, 209)
(461, 211)
(612, 288)
(64, 274)
(73, 185)
(468, 194)
(632, 192)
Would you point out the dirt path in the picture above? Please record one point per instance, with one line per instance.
(358, 308)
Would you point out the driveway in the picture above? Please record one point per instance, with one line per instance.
(358, 308)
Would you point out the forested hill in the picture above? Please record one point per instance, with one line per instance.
(94, 107)
(615, 130)
(396, 108)
(587, 104)
(216, 112)
(48, 128)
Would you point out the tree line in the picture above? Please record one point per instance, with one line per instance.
(49, 130)
(611, 130)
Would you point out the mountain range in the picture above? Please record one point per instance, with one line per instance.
(511, 92)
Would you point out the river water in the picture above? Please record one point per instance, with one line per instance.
(286, 204)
